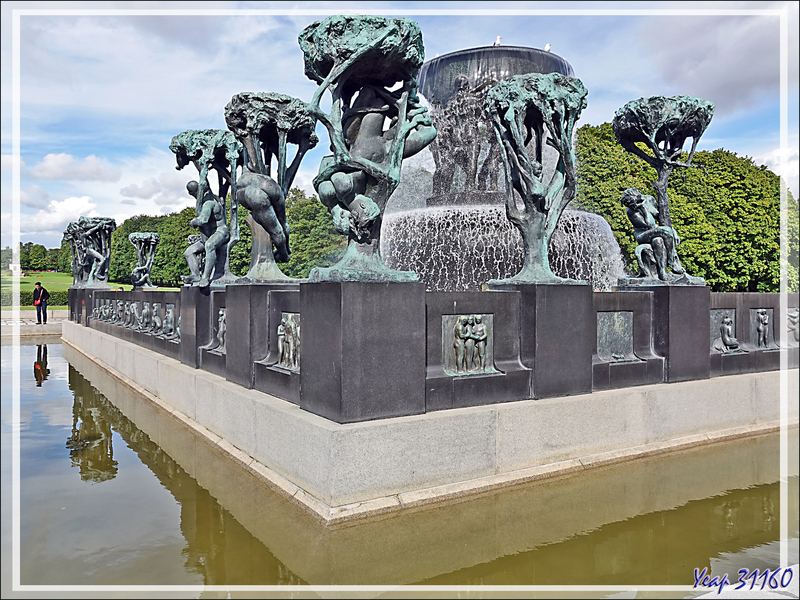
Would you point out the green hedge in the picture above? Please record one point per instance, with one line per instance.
(57, 298)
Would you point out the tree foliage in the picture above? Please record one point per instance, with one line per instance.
(313, 241)
(726, 211)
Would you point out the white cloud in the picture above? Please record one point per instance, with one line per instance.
(64, 167)
(57, 215)
(34, 196)
(145, 190)
(791, 174)
(8, 162)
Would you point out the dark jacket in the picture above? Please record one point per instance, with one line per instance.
(45, 295)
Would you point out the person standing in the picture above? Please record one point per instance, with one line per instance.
(40, 298)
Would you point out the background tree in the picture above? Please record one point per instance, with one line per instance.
(6, 256)
(52, 259)
(24, 255)
(37, 257)
(65, 258)
(313, 240)
(726, 211)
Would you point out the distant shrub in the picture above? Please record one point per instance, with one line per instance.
(57, 298)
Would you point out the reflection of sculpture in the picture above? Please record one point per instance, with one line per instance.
(726, 342)
(289, 341)
(219, 150)
(90, 241)
(369, 64)
(536, 109)
(656, 251)
(214, 235)
(221, 332)
(762, 329)
(145, 244)
(793, 319)
(265, 123)
(663, 125)
(178, 330)
(40, 370)
(90, 443)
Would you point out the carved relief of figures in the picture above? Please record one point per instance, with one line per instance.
(222, 331)
(289, 341)
(144, 318)
(169, 321)
(90, 242)
(470, 335)
(726, 343)
(793, 320)
(136, 315)
(762, 328)
(156, 322)
(145, 244)
(120, 312)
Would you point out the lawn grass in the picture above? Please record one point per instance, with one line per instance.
(50, 281)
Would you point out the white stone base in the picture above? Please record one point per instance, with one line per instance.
(342, 472)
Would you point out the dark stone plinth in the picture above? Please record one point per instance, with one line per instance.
(732, 363)
(247, 336)
(681, 330)
(210, 358)
(269, 376)
(644, 366)
(363, 350)
(213, 362)
(506, 378)
(195, 323)
(557, 329)
(743, 305)
(76, 297)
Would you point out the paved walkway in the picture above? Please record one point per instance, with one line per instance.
(28, 326)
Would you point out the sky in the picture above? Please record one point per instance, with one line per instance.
(102, 95)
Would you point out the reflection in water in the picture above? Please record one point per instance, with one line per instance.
(40, 370)
(217, 547)
(90, 445)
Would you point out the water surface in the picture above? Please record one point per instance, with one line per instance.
(112, 492)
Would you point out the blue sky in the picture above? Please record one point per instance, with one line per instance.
(102, 95)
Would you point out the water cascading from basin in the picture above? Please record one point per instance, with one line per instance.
(462, 239)
(459, 248)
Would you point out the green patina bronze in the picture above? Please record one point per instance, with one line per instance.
(530, 111)
(219, 150)
(369, 65)
(265, 123)
(663, 126)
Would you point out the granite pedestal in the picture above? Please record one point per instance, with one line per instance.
(195, 323)
(681, 329)
(363, 350)
(556, 325)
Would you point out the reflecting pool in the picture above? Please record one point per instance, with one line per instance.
(113, 492)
